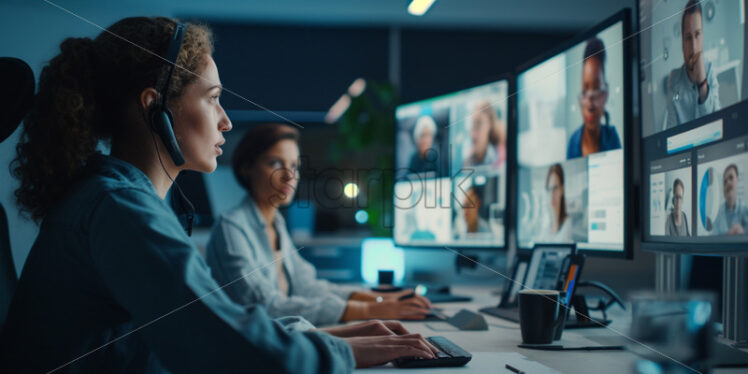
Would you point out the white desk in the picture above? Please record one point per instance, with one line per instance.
(504, 336)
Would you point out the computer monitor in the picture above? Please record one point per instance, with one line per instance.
(694, 134)
(451, 167)
(573, 141)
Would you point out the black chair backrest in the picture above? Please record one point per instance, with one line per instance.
(16, 97)
(8, 277)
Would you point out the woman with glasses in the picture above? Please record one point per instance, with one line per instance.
(677, 222)
(593, 136)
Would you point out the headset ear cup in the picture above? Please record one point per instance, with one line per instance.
(162, 121)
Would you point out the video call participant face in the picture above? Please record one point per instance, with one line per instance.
(424, 135)
(678, 193)
(730, 186)
(555, 187)
(479, 133)
(594, 94)
(470, 205)
(693, 43)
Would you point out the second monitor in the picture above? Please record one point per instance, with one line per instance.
(451, 169)
(573, 117)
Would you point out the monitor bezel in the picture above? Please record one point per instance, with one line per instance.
(623, 16)
(510, 144)
(646, 240)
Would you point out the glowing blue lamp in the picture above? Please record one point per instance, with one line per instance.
(381, 254)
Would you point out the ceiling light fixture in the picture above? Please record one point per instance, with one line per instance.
(420, 7)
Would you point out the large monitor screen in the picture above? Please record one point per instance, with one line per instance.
(451, 169)
(570, 138)
(691, 63)
(694, 131)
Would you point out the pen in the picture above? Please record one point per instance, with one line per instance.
(405, 297)
(513, 369)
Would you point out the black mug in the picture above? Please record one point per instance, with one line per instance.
(541, 316)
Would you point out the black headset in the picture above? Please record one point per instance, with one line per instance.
(162, 120)
(162, 123)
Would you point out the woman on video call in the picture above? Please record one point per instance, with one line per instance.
(488, 137)
(250, 249)
(425, 158)
(113, 283)
(593, 136)
(560, 230)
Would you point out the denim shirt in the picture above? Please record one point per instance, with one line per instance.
(683, 97)
(113, 284)
(240, 256)
(726, 218)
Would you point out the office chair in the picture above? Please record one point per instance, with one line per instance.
(16, 98)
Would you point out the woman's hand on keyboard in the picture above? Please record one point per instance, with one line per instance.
(412, 308)
(377, 350)
(368, 328)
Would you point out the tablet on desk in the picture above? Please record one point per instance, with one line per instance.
(552, 266)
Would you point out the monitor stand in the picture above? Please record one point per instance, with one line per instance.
(726, 355)
(727, 349)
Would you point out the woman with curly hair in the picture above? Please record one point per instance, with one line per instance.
(112, 282)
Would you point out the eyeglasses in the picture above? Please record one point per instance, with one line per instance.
(595, 96)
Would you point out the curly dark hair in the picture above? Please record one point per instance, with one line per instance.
(85, 96)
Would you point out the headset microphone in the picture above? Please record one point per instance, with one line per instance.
(162, 121)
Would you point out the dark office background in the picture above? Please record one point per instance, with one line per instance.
(295, 69)
(297, 59)
(289, 68)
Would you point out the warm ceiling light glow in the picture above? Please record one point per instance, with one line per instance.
(357, 87)
(338, 109)
(419, 7)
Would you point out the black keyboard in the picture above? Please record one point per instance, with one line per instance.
(447, 298)
(450, 354)
(511, 314)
